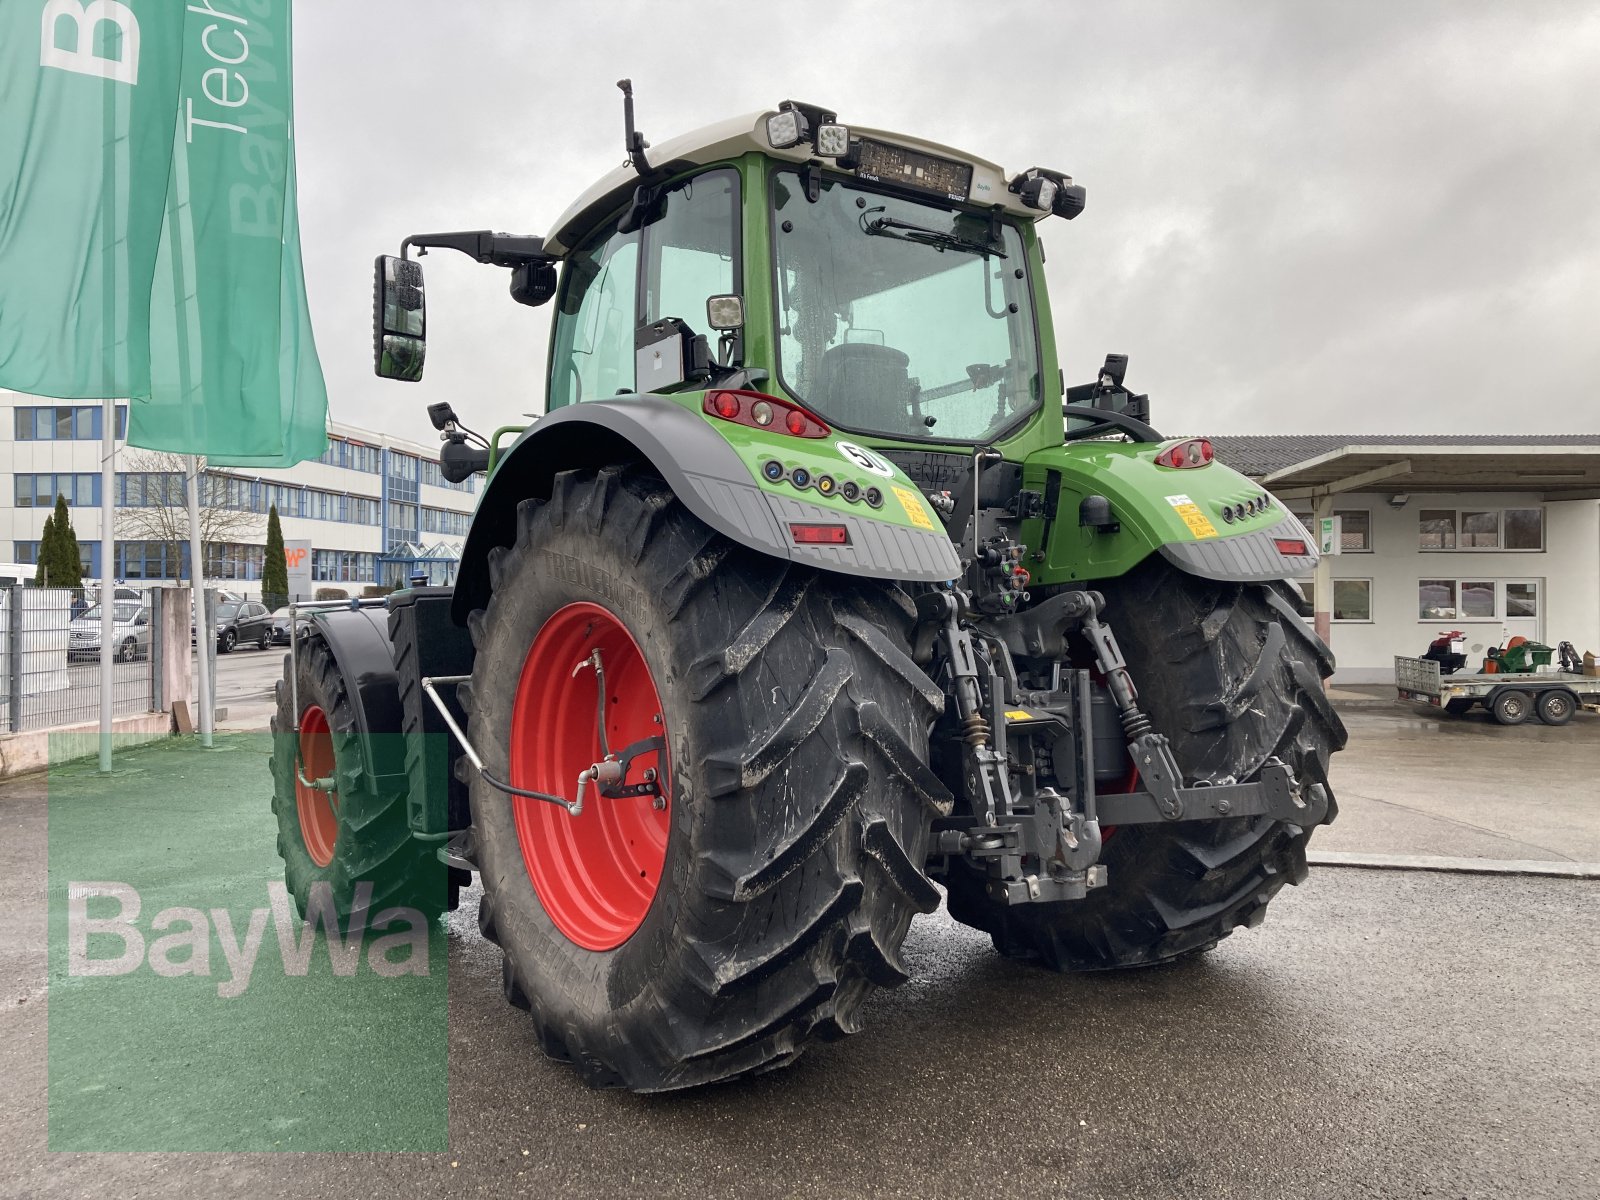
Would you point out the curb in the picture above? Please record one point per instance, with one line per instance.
(1454, 866)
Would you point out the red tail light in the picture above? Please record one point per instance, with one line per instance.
(1291, 547)
(760, 411)
(1196, 452)
(820, 535)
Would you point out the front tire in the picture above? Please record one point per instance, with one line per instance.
(227, 641)
(799, 804)
(1232, 675)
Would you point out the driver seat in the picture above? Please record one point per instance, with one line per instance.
(864, 384)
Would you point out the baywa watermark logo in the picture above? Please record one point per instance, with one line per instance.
(178, 941)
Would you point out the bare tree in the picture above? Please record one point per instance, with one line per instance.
(159, 511)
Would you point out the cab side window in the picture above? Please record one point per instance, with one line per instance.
(593, 352)
(690, 248)
(687, 251)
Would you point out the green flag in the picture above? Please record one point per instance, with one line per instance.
(149, 242)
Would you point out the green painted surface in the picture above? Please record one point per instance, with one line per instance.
(1147, 500)
(141, 1060)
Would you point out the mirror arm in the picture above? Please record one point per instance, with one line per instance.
(499, 249)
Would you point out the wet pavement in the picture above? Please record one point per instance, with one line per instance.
(1382, 1034)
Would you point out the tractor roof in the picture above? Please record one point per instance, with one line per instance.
(735, 136)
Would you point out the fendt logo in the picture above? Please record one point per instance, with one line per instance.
(86, 20)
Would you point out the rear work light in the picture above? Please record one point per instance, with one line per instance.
(820, 535)
(760, 411)
(1291, 547)
(1196, 452)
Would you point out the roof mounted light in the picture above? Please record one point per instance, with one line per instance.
(1049, 191)
(785, 129)
(1036, 190)
(833, 141)
(797, 122)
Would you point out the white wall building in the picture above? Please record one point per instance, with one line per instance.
(374, 508)
(1494, 536)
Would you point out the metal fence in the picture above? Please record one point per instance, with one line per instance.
(50, 656)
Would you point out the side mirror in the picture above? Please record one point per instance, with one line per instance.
(399, 318)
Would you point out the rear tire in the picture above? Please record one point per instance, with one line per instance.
(1511, 706)
(1232, 675)
(362, 835)
(1555, 707)
(799, 808)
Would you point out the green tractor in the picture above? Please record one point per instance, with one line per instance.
(816, 588)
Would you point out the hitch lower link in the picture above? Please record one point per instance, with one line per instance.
(608, 774)
(1043, 825)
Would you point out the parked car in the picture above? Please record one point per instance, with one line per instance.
(280, 626)
(131, 629)
(241, 621)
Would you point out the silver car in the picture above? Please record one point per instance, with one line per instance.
(131, 632)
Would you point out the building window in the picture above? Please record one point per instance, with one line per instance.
(1479, 599)
(1436, 599)
(1437, 530)
(65, 422)
(1355, 528)
(40, 491)
(1524, 529)
(1355, 536)
(27, 553)
(1352, 599)
(1481, 529)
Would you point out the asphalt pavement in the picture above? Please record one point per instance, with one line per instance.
(1383, 1033)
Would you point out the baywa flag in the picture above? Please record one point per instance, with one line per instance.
(149, 244)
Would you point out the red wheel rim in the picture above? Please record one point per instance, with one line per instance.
(595, 873)
(319, 810)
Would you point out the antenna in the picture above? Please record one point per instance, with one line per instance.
(632, 141)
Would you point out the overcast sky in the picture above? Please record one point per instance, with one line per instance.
(1302, 217)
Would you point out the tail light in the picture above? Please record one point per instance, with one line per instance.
(1291, 547)
(1196, 452)
(820, 535)
(760, 411)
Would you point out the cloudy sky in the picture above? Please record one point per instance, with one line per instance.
(1333, 217)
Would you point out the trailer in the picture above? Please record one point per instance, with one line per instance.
(1553, 697)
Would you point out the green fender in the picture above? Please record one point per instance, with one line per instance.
(1187, 515)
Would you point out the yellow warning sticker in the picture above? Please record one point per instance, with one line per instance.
(912, 503)
(1018, 714)
(1199, 524)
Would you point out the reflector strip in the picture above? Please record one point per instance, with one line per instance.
(1292, 547)
(820, 535)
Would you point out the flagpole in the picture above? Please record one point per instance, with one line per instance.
(108, 558)
(205, 632)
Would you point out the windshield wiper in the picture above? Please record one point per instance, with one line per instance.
(939, 239)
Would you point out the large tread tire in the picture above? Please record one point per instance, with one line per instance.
(1233, 676)
(801, 801)
(374, 842)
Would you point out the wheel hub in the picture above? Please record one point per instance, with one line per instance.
(596, 872)
(318, 807)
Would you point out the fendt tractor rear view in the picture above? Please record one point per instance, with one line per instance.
(814, 588)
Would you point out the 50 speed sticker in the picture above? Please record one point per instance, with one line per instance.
(1199, 524)
(865, 459)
